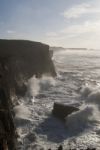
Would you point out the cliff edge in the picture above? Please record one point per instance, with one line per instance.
(21, 59)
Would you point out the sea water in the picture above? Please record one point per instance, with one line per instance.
(78, 84)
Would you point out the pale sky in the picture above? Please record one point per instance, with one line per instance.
(67, 23)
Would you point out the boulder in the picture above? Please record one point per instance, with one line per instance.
(62, 110)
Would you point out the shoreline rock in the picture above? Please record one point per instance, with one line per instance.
(61, 110)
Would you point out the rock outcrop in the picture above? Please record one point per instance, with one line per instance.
(22, 59)
(61, 110)
(19, 61)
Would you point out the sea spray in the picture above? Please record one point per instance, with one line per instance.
(83, 119)
(46, 82)
(89, 112)
(91, 95)
(75, 70)
(27, 109)
(85, 91)
(22, 111)
(33, 86)
(94, 97)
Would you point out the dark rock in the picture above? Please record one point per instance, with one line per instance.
(22, 59)
(8, 134)
(61, 110)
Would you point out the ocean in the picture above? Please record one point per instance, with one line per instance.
(78, 84)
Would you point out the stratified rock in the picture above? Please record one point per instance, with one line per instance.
(61, 110)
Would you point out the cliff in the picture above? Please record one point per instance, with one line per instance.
(21, 59)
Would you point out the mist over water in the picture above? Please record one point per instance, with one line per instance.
(78, 84)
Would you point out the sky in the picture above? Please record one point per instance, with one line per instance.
(66, 23)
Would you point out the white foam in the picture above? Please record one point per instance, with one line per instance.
(22, 112)
(86, 90)
(94, 97)
(33, 87)
(83, 119)
(91, 95)
(46, 82)
(76, 73)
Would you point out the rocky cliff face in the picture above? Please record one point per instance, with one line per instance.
(21, 59)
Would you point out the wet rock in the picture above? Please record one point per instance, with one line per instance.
(61, 110)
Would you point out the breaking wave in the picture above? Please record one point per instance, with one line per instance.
(82, 120)
(91, 95)
(75, 84)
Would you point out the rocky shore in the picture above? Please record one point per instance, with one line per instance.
(19, 61)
